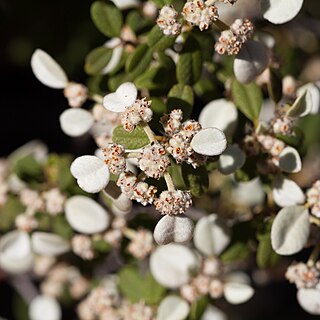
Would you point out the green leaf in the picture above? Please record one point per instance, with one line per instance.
(139, 60)
(248, 99)
(136, 21)
(130, 140)
(189, 64)
(9, 211)
(115, 81)
(136, 287)
(107, 18)
(198, 308)
(158, 41)
(27, 168)
(236, 252)
(195, 179)
(175, 171)
(181, 96)
(294, 140)
(97, 59)
(61, 227)
(266, 257)
(20, 308)
(275, 85)
(101, 246)
(161, 3)
(154, 78)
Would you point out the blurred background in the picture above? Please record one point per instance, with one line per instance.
(30, 110)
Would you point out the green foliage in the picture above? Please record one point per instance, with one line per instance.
(9, 211)
(97, 59)
(61, 227)
(161, 3)
(136, 287)
(157, 41)
(198, 308)
(196, 179)
(275, 85)
(130, 140)
(101, 246)
(136, 21)
(248, 98)
(27, 168)
(181, 97)
(107, 18)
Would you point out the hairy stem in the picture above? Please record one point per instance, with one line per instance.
(148, 132)
(314, 256)
(221, 25)
(169, 181)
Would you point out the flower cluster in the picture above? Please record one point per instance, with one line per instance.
(76, 93)
(141, 243)
(167, 21)
(302, 275)
(115, 158)
(232, 40)
(313, 199)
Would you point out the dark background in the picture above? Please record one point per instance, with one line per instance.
(30, 110)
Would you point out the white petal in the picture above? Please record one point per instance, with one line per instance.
(171, 265)
(173, 308)
(49, 244)
(76, 122)
(267, 112)
(221, 114)
(280, 11)
(302, 105)
(91, 173)
(249, 193)
(115, 58)
(286, 192)
(213, 313)
(250, 62)
(86, 215)
(209, 142)
(290, 230)
(315, 96)
(289, 160)
(173, 229)
(125, 96)
(233, 158)
(309, 300)
(237, 293)
(125, 4)
(211, 235)
(15, 252)
(47, 70)
(238, 277)
(44, 308)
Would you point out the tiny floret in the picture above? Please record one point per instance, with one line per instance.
(115, 158)
(167, 21)
(76, 94)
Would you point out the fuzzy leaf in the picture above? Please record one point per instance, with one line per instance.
(181, 96)
(97, 59)
(130, 140)
(196, 180)
(9, 211)
(158, 41)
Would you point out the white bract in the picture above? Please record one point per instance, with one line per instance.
(91, 173)
(237, 293)
(173, 308)
(251, 61)
(302, 105)
(117, 49)
(44, 307)
(76, 122)
(15, 252)
(48, 71)
(213, 313)
(209, 142)
(85, 215)
(289, 160)
(221, 114)
(314, 91)
(125, 96)
(211, 235)
(280, 11)
(290, 230)
(172, 264)
(232, 159)
(286, 192)
(309, 300)
(49, 244)
(126, 4)
(173, 229)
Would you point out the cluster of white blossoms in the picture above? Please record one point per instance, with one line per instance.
(167, 21)
(115, 158)
(313, 199)
(82, 246)
(141, 244)
(76, 93)
(303, 276)
(232, 40)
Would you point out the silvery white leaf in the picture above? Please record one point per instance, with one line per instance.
(238, 277)
(211, 235)
(125, 96)
(267, 112)
(286, 192)
(15, 184)
(249, 193)
(47, 70)
(237, 293)
(213, 313)
(232, 159)
(309, 300)
(302, 105)
(209, 142)
(122, 205)
(173, 308)
(314, 91)
(15, 252)
(49, 244)
(173, 229)
(91, 173)
(290, 230)
(289, 160)
(251, 61)
(75, 122)
(86, 215)
(116, 45)
(280, 11)
(44, 307)
(171, 265)
(221, 114)
(126, 4)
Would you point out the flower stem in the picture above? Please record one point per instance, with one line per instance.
(314, 256)
(169, 181)
(148, 132)
(221, 25)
